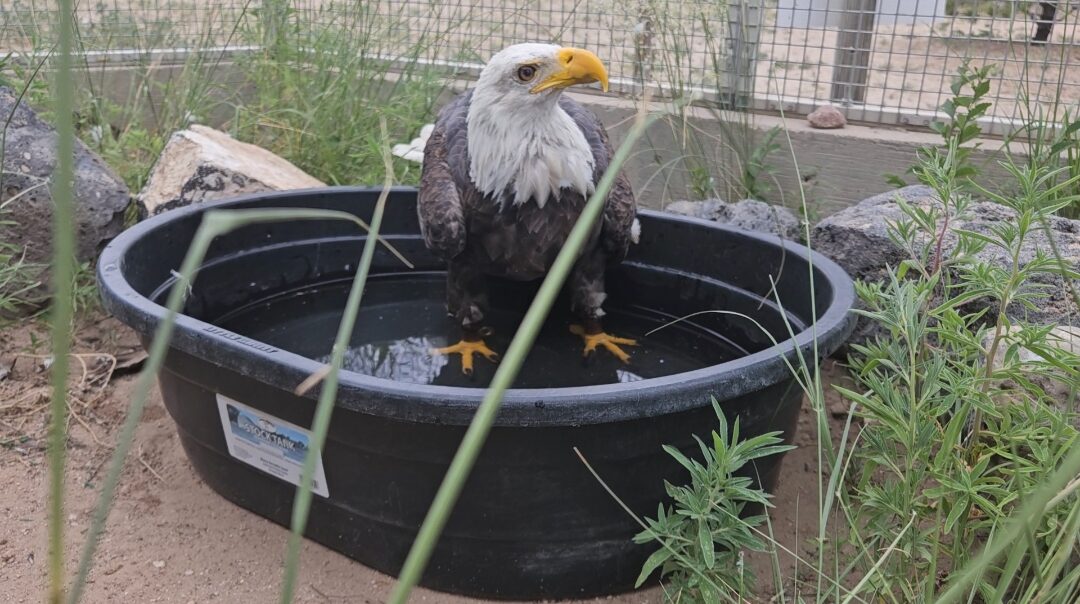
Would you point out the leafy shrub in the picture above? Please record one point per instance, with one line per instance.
(703, 536)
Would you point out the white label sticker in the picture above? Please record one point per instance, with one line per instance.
(270, 444)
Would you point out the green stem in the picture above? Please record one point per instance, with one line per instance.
(1029, 514)
(214, 224)
(508, 370)
(880, 561)
(325, 407)
(63, 271)
(995, 344)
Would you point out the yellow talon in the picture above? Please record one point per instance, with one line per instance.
(467, 348)
(609, 342)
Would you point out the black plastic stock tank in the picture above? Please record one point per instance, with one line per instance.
(531, 522)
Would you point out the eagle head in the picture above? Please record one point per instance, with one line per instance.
(522, 144)
(524, 71)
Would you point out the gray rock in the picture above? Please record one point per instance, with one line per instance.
(858, 239)
(101, 197)
(203, 164)
(748, 214)
(827, 117)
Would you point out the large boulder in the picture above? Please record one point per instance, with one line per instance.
(29, 159)
(202, 164)
(748, 214)
(858, 239)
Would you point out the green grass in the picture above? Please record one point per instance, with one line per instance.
(320, 109)
(19, 279)
(961, 481)
(62, 311)
(316, 100)
(959, 484)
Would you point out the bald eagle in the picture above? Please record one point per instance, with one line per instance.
(506, 172)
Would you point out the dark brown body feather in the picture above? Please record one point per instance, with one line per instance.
(478, 236)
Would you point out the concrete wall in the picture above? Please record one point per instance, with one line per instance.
(836, 168)
(121, 84)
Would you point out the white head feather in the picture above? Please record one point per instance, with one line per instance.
(522, 145)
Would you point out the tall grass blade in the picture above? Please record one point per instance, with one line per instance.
(1029, 513)
(325, 407)
(215, 223)
(63, 270)
(508, 370)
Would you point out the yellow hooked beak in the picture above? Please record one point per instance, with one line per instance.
(576, 66)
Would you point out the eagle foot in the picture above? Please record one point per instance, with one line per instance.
(601, 339)
(467, 348)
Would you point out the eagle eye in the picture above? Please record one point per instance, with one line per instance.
(526, 72)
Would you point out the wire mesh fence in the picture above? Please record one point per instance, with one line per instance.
(133, 25)
(676, 45)
(894, 60)
(881, 61)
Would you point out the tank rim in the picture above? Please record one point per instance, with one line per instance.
(456, 405)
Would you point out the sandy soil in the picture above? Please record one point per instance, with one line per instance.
(170, 538)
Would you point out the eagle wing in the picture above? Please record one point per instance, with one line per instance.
(619, 228)
(439, 204)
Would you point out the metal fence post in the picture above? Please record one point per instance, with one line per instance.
(643, 45)
(744, 27)
(853, 48)
(274, 21)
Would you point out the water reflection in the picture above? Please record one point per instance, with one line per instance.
(407, 360)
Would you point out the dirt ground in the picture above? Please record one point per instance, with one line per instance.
(170, 538)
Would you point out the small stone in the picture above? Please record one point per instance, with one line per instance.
(710, 209)
(159, 563)
(202, 164)
(188, 572)
(838, 407)
(827, 117)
